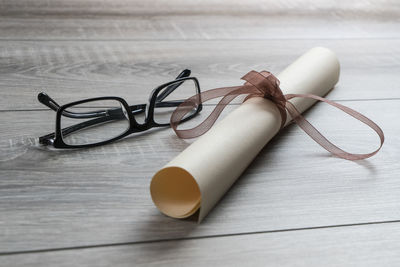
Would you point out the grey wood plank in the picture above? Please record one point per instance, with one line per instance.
(44, 203)
(57, 199)
(174, 20)
(365, 245)
(199, 27)
(365, 8)
(74, 70)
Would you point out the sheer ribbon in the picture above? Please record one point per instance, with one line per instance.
(264, 84)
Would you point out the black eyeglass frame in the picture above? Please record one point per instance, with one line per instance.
(56, 138)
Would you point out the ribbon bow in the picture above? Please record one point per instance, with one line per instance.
(264, 84)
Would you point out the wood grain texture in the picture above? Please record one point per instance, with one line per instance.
(199, 20)
(363, 245)
(99, 198)
(381, 9)
(55, 199)
(70, 71)
(198, 27)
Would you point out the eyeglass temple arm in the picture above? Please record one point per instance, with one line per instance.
(48, 101)
(171, 88)
(48, 139)
(135, 109)
(51, 103)
(115, 114)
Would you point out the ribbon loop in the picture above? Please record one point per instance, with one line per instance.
(265, 84)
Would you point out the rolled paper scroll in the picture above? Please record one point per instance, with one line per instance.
(199, 176)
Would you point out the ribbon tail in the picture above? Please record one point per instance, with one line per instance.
(320, 139)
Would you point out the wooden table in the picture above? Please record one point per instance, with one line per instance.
(294, 206)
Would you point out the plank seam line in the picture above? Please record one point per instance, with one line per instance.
(195, 238)
(230, 104)
(196, 40)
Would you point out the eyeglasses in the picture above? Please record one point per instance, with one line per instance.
(99, 121)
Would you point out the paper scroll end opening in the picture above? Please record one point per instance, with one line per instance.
(175, 192)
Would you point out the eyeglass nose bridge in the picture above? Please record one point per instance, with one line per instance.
(133, 112)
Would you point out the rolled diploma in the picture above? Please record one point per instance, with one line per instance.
(199, 176)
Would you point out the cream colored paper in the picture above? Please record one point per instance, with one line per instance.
(199, 176)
